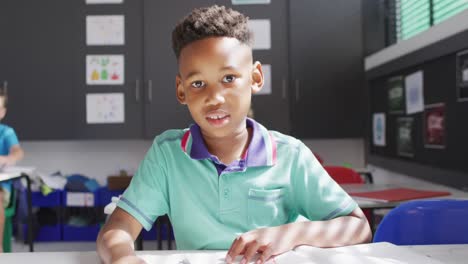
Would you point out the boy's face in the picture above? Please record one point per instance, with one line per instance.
(216, 80)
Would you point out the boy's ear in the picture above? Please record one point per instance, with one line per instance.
(257, 77)
(180, 93)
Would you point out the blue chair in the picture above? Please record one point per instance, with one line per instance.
(425, 222)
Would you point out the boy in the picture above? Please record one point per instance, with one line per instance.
(10, 153)
(227, 175)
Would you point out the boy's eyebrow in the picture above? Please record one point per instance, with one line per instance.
(229, 67)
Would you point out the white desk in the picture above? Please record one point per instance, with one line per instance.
(429, 254)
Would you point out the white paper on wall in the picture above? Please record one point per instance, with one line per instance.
(414, 93)
(105, 108)
(249, 2)
(105, 69)
(104, 1)
(267, 80)
(378, 129)
(261, 30)
(105, 30)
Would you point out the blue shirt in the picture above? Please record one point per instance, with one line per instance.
(8, 139)
(276, 181)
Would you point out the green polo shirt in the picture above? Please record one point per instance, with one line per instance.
(209, 203)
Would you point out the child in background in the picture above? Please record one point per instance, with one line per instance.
(227, 182)
(10, 153)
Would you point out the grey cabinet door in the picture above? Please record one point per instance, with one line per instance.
(132, 127)
(162, 110)
(327, 72)
(36, 59)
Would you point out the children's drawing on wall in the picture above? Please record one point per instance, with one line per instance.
(462, 76)
(405, 141)
(378, 128)
(104, 69)
(105, 30)
(102, 108)
(434, 126)
(414, 93)
(396, 99)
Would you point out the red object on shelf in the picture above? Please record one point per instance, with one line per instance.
(398, 194)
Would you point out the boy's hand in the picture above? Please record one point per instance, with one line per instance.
(271, 241)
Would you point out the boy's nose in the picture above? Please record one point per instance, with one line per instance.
(215, 96)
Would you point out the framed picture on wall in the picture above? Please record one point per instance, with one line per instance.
(405, 140)
(462, 75)
(396, 95)
(434, 126)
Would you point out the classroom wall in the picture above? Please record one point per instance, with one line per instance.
(100, 158)
(432, 51)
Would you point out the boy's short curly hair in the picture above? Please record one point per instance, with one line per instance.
(213, 21)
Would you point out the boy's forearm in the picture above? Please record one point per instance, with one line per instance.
(16, 154)
(114, 244)
(341, 231)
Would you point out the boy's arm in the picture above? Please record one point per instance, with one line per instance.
(271, 241)
(115, 242)
(16, 154)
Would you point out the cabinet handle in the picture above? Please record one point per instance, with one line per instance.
(283, 94)
(297, 90)
(150, 91)
(137, 90)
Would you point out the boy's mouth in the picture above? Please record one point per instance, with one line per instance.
(217, 118)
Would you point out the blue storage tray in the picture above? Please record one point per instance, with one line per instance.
(45, 233)
(53, 199)
(80, 233)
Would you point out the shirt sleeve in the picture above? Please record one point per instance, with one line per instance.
(146, 196)
(10, 138)
(316, 194)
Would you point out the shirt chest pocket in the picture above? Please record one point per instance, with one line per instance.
(266, 208)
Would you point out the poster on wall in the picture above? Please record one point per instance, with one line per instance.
(396, 98)
(378, 129)
(414, 92)
(249, 2)
(261, 31)
(105, 108)
(104, 69)
(105, 30)
(104, 1)
(462, 76)
(405, 141)
(434, 126)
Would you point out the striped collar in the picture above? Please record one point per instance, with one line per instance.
(261, 151)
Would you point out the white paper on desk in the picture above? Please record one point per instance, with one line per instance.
(359, 254)
(193, 258)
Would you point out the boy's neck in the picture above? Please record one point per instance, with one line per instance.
(229, 149)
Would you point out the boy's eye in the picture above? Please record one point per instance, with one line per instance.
(229, 78)
(198, 84)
